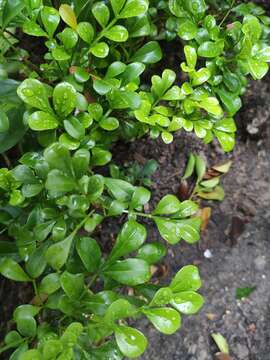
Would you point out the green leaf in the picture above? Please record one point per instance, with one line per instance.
(34, 93)
(130, 238)
(74, 128)
(58, 157)
(152, 253)
(100, 157)
(200, 167)
(191, 56)
(244, 292)
(51, 349)
(134, 8)
(100, 50)
(59, 183)
(119, 189)
(40, 121)
(117, 33)
(89, 252)
(69, 38)
(86, 32)
(101, 13)
(162, 297)
(11, 9)
(187, 208)
(169, 204)
(149, 53)
(211, 49)
(49, 284)
(64, 99)
(226, 140)
(187, 302)
(140, 197)
(231, 101)
(50, 18)
(92, 222)
(201, 76)
(165, 320)
(4, 122)
(131, 342)
(32, 354)
(36, 263)
(68, 16)
(109, 123)
(123, 99)
(57, 254)
(187, 29)
(226, 125)
(72, 284)
(80, 162)
(116, 68)
(81, 75)
(168, 229)
(59, 54)
(186, 279)
(119, 309)
(129, 272)
(258, 69)
(212, 106)
(132, 72)
(11, 270)
(190, 167)
(160, 85)
(33, 29)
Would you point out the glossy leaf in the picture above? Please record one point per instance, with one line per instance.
(41, 121)
(50, 18)
(186, 279)
(134, 8)
(101, 13)
(13, 271)
(34, 93)
(169, 204)
(129, 272)
(131, 342)
(89, 252)
(165, 320)
(187, 302)
(64, 99)
(68, 15)
(57, 254)
(130, 238)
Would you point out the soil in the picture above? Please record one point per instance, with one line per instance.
(237, 240)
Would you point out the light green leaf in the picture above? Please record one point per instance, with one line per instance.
(34, 93)
(40, 121)
(64, 99)
(165, 320)
(187, 302)
(100, 50)
(117, 33)
(186, 279)
(101, 13)
(50, 18)
(169, 204)
(13, 271)
(131, 342)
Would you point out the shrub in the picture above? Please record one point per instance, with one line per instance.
(74, 80)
